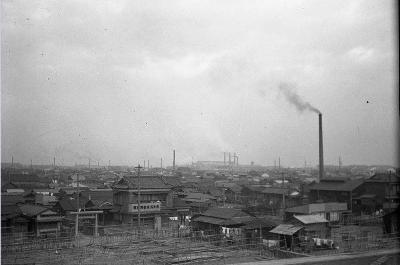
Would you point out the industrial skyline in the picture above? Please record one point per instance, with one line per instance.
(131, 81)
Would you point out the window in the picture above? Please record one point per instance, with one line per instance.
(334, 216)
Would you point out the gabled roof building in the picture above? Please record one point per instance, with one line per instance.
(156, 198)
(334, 190)
(332, 211)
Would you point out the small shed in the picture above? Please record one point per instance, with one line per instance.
(289, 234)
(314, 225)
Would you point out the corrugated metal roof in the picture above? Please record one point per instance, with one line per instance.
(310, 219)
(286, 229)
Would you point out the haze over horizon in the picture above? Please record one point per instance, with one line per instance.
(129, 81)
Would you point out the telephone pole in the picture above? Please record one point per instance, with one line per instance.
(283, 192)
(77, 206)
(173, 161)
(138, 199)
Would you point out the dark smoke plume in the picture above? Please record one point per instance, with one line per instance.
(291, 95)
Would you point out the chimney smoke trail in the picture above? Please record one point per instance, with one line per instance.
(293, 98)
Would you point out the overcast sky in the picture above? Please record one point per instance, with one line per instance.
(132, 80)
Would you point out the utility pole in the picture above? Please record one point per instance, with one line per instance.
(173, 161)
(12, 169)
(138, 199)
(283, 194)
(389, 191)
(161, 162)
(77, 206)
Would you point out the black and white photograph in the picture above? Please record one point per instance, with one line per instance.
(200, 132)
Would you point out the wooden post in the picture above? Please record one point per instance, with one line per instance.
(37, 227)
(76, 225)
(95, 226)
(260, 244)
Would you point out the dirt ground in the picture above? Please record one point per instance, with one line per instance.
(112, 250)
(120, 246)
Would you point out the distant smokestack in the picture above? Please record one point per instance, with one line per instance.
(173, 161)
(230, 158)
(237, 160)
(321, 149)
(224, 158)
